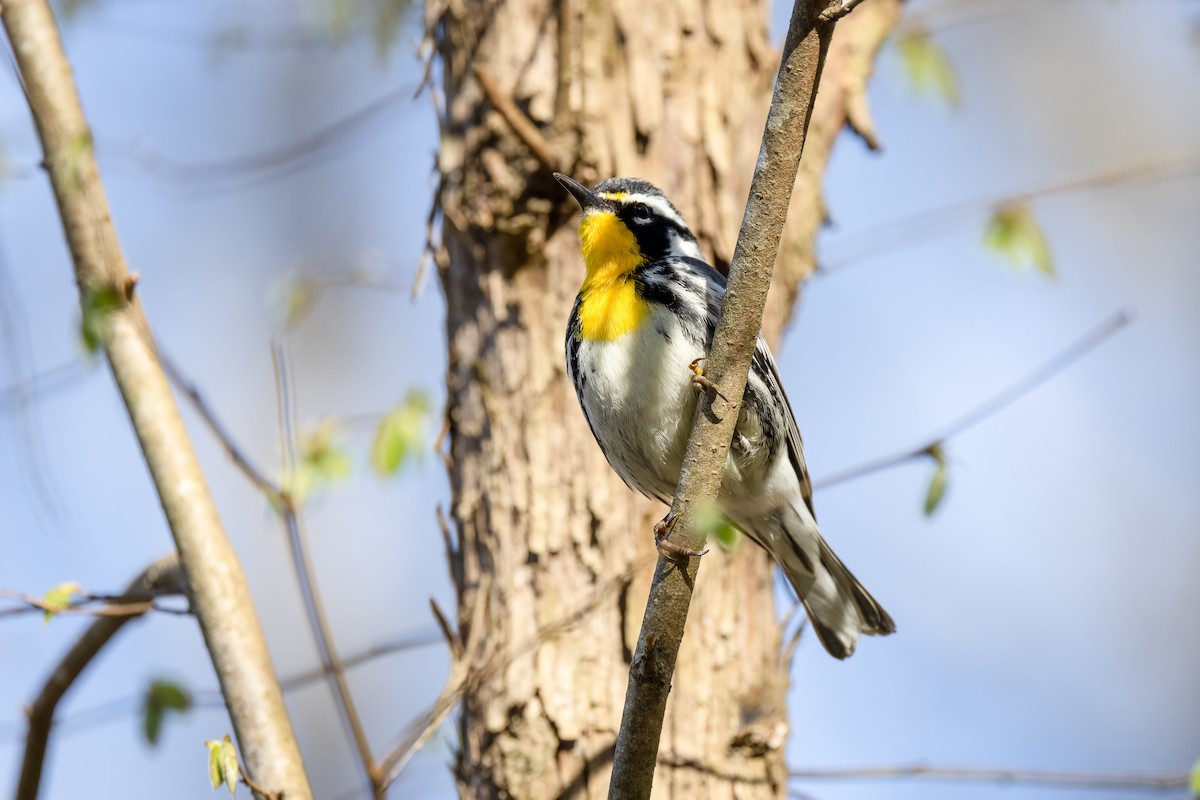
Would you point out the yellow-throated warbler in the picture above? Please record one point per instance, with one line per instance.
(645, 313)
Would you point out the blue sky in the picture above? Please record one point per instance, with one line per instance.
(1047, 612)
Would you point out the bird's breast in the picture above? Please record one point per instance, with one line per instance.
(636, 390)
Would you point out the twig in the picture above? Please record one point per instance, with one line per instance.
(1078, 780)
(282, 500)
(88, 605)
(43, 382)
(331, 664)
(119, 707)
(928, 224)
(271, 164)
(1089, 342)
(421, 729)
(221, 594)
(521, 125)
(255, 787)
(241, 172)
(15, 348)
(332, 667)
(162, 577)
(728, 364)
(941, 17)
(233, 40)
(835, 12)
(239, 459)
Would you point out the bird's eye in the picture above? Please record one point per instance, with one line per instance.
(640, 212)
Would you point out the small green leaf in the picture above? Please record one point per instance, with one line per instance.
(161, 697)
(400, 433)
(292, 299)
(937, 489)
(1014, 233)
(323, 460)
(708, 518)
(711, 523)
(929, 69)
(222, 763)
(389, 21)
(97, 305)
(726, 536)
(59, 598)
(1196, 779)
(338, 20)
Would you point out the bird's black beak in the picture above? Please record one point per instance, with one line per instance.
(586, 198)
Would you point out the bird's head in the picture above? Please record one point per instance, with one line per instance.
(627, 222)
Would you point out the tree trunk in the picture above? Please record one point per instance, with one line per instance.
(553, 553)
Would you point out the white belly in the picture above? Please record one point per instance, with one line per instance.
(637, 393)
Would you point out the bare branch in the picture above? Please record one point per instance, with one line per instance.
(728, 364)
(521, 125)
(331, 663)
(929, 224)
(50, 380)
(285, 504)
(162, 577)
(262, 167)
(1077, 780)
(239, 459)
(952, 14)
(993, 405)
(835, 12)
(119, 707)
(421, 729)
(87, 604)
(221, 595)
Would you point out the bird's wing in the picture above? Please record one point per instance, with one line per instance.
(764, 363)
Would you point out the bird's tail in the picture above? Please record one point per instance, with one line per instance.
(839, 606)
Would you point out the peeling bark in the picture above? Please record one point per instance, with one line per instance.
(675, 92)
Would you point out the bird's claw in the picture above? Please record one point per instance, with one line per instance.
(662, 532)
(702, 383)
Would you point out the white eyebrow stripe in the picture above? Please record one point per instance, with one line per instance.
(659, 204)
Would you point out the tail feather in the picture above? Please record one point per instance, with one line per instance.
(839, 606)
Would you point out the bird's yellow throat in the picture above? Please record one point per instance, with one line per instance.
(610, 306)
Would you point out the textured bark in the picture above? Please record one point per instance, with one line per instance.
(675, 92)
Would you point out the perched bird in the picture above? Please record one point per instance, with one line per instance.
(646, 314)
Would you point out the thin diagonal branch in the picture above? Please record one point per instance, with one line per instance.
(422, 728)
(928, 224)
(331, 663)
(1067, 780)
(221, 595)
(285, 504)
(162, 577)
(521, 125)
(993, 405)
(235, 453)
(122, 706)
(122, 606)
(332, 667)
(728, 365)
(45, 382)
(240, 172)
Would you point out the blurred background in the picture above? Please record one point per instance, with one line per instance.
(270, 175)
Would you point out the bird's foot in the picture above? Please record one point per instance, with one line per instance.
(662, 541)
(701, 383)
